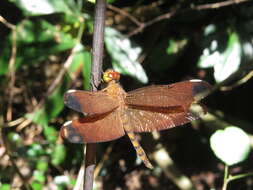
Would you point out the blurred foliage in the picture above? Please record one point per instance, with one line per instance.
(45, 49)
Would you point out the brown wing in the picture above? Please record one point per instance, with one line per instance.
(103, 128)
(177, 94)
(150, 120)
(90, 102)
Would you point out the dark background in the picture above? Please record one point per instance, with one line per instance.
(31, 103)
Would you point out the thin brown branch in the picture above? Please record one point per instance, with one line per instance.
(12, 160)
(177, 11)
(151, 22)
(97, 60)
(6, 23)
(50, 90)
(125, 13)
(11, 73)
(106, 157)
(239, 82)
(98, 43)
(218, 5)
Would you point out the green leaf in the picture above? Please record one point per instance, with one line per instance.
(36, 41)
(87, 70)
(50, 133)
(36, 185)
(224, 63)
(39, 176)
(35, 150)
(42, 165)
(78, 61)
(82, 60)
(5, 187)
(42, 7)
(38, 117)
(165, 54)
(124, 55)
(231, 145)
(58, 155)
(53, 106)
(14, 138)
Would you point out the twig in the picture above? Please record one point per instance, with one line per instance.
(11, 67)
(97, 59)
(12, 72)
(244, 69)
(125, 13)
(7, 24)
(151, 22)
(79, 181)
(12, 160)
(50, 90)
(104, 159)
(16, 122)
(177, 11)
(57, 81)
(228, 178)
(98, 44)
(218, 5)
(239, 82)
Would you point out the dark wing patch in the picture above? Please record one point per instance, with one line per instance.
(90, 102)
(101, 128)
(178, 94)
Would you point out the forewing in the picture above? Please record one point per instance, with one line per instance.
(177, 94)
(150, 120)
(90, 102)
(104, 128)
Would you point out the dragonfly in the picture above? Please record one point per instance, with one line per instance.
(112, 112)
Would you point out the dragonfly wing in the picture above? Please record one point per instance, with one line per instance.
(178, 94)
(102, 128)
(147, 120)
(90, 102)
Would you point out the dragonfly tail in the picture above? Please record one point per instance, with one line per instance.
(139, 150)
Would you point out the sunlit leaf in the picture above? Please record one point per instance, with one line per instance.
(231, 145)
(224, 63)
(36, 41)
(39, 176)
(248, 50)
(42, 7)
(35, 150)
(38, 117)
(42, 165)
(36, 185)
(50, 133)
(61, 180)
(124, 55)
(210, 29)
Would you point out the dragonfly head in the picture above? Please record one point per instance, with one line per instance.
(111, 75)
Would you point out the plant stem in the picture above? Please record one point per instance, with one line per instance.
(228, 178)
(239, 176)
(97, 59)
(225, 179)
